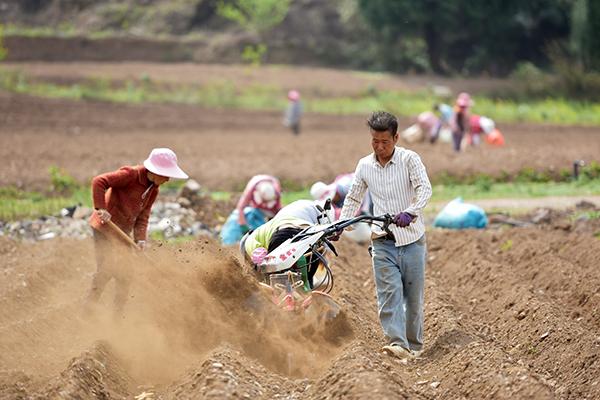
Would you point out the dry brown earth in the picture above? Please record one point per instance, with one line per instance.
(223, 148)
(510, 312)
(516, 320)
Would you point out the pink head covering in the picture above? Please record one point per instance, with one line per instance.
(163, 162)
(464, 100)
(294, 95)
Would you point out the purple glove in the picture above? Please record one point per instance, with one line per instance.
(403, 219)
(258, 255)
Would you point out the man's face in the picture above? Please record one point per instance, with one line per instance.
(383, 143)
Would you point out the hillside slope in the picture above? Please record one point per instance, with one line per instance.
(313, 33)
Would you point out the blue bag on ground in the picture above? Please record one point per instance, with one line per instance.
(232, 232)
(459, 215)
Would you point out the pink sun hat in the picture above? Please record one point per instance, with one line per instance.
(294, 95)
(163, 162)
(464, 100)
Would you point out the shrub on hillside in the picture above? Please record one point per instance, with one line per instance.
(61, 182)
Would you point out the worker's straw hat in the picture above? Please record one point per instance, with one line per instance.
(163, 162)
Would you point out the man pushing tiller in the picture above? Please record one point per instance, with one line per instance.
(123, 199)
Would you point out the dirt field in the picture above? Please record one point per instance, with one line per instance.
(511, 313)
(221, 149)
(518, 321)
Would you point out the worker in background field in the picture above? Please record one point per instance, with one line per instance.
(430, 125)
(445, 115)
(337, 191)
(293, 112)
(461, 121)
(259, 202)
(479, 125)
(125, 197)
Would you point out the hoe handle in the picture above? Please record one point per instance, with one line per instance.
(121, 235)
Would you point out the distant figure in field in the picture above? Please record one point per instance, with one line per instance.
(479, 125)
(445, 114)
(260, 201)
(293, 113)
(461, 121)
(429, 124)
(337, 192)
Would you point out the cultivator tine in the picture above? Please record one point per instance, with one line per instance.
(323, 305)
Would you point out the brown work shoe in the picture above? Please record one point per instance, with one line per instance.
(397, 351)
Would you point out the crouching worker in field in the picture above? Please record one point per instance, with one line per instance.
(290, 221)
(259, 202)
(123, 200)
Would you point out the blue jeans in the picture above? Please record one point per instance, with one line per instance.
(400, 281)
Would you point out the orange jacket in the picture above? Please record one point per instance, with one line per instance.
(127, 194)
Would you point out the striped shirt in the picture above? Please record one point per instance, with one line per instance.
(400, 185)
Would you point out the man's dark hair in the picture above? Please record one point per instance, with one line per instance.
(381, 121)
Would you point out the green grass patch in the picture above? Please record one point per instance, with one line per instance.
(221, 196)
(516, 190)
(588, 215)
(443, 192)
(263, 97)
(289, 197)
(65, 29)
(16, 204)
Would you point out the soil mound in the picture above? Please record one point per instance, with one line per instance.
(509, 313)
(227, 373)
(94, 374)
(185, 302)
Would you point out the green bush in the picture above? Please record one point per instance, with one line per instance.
(483, 183)
(565, 174)
(531, 175)
(533, 82)
(61, 182)
(254, 55)
(591, 170)
(3, 50)
(445, 179)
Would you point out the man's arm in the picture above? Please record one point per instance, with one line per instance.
(420, 183)
(355, 195)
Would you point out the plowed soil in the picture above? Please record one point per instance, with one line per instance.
(222, 149)
(511, 313)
